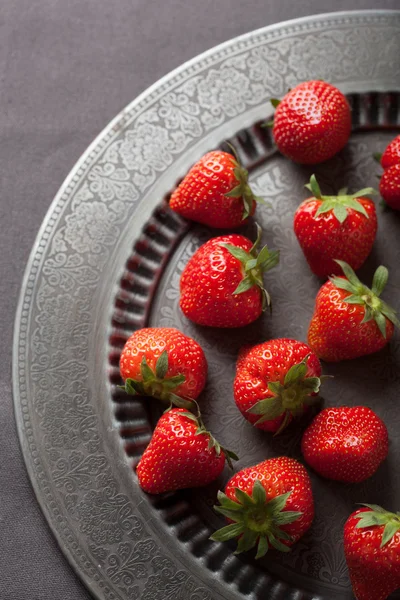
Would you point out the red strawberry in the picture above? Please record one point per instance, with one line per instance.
(163, 363)
(350, 319)
(312, 122)
(389, 186)
(269, 505)
(372, 551)
(215, 192)
(276, 381)
(181, 454)
(335, 227)
(345, 443)
(222, 286)
(391, 156)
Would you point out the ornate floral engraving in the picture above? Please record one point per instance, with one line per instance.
(179, 113)
(67, 271)
(56, 372)
(223, 91)
(78, 470)
(58, 312)
(92, 226)
(149, 149)
(169, 584)
(104, 514)
(69, 422)
(311, 54)
(111, 183)
(129, 563)
(266, 65)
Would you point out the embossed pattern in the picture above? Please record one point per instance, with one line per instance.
(112, 534)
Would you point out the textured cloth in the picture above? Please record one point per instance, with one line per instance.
(66, 69)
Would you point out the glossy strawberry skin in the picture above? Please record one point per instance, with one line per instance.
(201, 196)
(176, 457)
(374, 571)
(208, 282)
(345, 443)
(268, 362)
(312, 122)
(391, 156)
(185, 356)
(324, 239)
(336, 332)
(389, 186)
(279, 476)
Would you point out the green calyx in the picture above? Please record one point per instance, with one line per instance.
(340, 203)
(288, 398)
(378, 516)
(254, 264)
(275, 103)
(212, 442)
(156, 384)
(375, 308)
(256, 521)
(242, 189)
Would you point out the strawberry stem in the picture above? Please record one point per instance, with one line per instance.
(376, 517)
(375, 308)
(157, 384)
(257, 521)
(275, 102)
(254, 265)
(212, 442)
(290, 397)
(339, 203)
(314, 188)
(242, 189)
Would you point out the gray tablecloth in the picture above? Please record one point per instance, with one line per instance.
(66, 68)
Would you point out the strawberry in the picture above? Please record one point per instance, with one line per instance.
(269, 505)
(372, 551)
(350, 319)
(181, 454)
(312, 122)
(331, 227)
(389, 186)
(222, 286)
(215, 192)
(345, 443)
(391, 156)
(276, 381)
(164, 363)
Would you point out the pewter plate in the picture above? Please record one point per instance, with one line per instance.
(107, 260)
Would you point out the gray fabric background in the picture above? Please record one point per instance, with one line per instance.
(66, 68)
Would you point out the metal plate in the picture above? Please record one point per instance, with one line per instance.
(107, 260)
